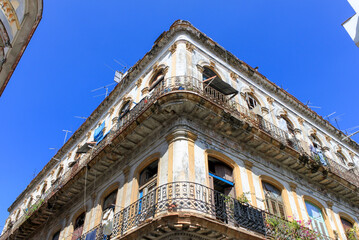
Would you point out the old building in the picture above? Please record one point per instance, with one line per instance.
(193, 143)
(351, 25)
(18, 22)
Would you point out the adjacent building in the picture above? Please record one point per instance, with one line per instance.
(18, 22)
(351, 25)
(193, 143)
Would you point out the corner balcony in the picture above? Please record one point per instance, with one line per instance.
(190, 96)
(196, 209)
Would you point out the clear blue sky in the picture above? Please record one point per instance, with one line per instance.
(298, 44)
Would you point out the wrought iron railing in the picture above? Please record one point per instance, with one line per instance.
(178, 84)
(198, 200)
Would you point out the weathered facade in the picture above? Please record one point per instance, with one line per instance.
(18, 22)
(194, 144)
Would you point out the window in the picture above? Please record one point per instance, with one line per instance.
(125, 109)
(110, 201)
(286, 125)
(273, 199)
(221, 180)
(108, 209)
(317, 151)
(78, 227)
(148, 178)
(160, 75)
(147, 183)
(317, 219)
(210, 78)
(56, 236)
(348, 229)
(251, 101)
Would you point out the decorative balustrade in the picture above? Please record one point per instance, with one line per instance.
(200, 200)
(178, 84)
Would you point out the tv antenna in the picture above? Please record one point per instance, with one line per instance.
(310, 106)
(350, 135)
(66, 132)
(84, 118)
(103, 87)
(123, 65)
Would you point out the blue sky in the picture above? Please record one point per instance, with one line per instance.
(300, 45)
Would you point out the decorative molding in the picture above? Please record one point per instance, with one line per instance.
(265, 110)
(325, 148)
(144, 91)
(297, 131)
(138, 83)
(330, 204)
(111, 110)
(314, 131)
(114, 120)
(212, 63)
(9, 12)
(293, 186)
(351, 154)
(248, 164)
(88, 135)
(200, 68)
(329, 139)
(270, 100)
(190, 47)
(173, 48)
(234, 76)
(301, 121)
(181, 134)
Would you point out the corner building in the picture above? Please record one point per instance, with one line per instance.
(193, 143)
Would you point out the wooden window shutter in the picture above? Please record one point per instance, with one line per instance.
(274, 207)
(281, 210)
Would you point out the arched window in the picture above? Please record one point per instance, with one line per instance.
(342, 158)
(251, 101)
(56, 236)
(78, 227)
(274, 201)
(221, 180)
(348, 229)
(125, 109)
(317, 150)
(221, 176)
(148, 179)
(316, 218)
(108, 209)
(157, 78)
(286, 125)
(210, 78)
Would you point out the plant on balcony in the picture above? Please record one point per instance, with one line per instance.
(352, 234)
(281, 229)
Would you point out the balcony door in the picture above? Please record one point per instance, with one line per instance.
(222, 182)
(316, 218)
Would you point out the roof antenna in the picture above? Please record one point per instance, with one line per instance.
(307, 104)
(84, 118)
(327, 117)
(66, 132)
(103, 87)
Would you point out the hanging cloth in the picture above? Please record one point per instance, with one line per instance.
(98, 135)
(107, 221)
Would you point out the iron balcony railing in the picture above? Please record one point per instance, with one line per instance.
(167, 86)
(199, 200)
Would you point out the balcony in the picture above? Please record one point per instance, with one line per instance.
(254, 130)
(198, 200)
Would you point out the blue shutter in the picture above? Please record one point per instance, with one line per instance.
(98, 135)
